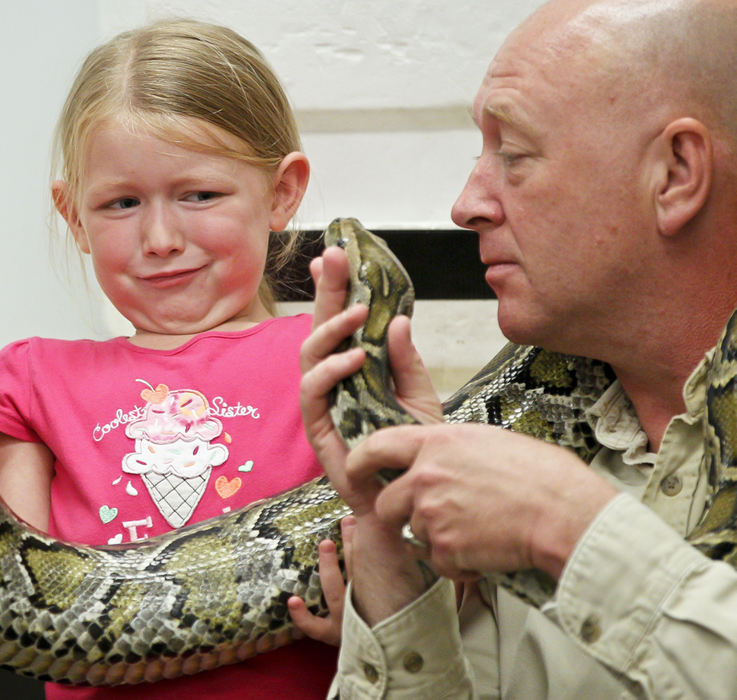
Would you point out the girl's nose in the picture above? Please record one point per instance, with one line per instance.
(160, 234)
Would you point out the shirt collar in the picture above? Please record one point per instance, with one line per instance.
(617, 427)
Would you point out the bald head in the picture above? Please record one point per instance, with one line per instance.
(679, 53)
(605, 125)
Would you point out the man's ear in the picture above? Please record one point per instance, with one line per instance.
(289, 183)
(66, 207)
(684, 180)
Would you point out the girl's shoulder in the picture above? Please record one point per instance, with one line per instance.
(55, 348)
(42, 361)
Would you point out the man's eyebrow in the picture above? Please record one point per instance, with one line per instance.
(514, 117)
(502, 113)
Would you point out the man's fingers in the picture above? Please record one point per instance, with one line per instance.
(412, 382)
(392, 448)
(347, 528)
(320, 380)
(330, 273)
(389, 448)
(322, 368)
(327, 336)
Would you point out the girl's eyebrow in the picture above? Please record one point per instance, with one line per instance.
(192, 176)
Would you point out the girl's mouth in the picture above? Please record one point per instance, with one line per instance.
(171, 278)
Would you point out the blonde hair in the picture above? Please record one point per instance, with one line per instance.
(162, 76)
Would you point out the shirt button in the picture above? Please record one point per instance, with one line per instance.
(369, 670)
(591, 629)
(413, 662)
(671, 485)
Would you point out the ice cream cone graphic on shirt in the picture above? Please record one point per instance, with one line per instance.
(176, 497)
(174, 455)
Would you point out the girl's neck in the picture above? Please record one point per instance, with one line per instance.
(170, 341)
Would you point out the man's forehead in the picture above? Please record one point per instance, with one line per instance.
(512, 82)
(561, 60)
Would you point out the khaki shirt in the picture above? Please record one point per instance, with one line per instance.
(637, 613)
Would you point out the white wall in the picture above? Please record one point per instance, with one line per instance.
(382, 92)
(42, 44)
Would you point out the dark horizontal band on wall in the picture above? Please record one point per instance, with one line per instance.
(443, 264)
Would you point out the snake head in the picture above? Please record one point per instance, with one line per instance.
(375, 272)
(340, 232)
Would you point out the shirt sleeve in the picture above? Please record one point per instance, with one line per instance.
(641, 600)
(16, 392)
(413, 654)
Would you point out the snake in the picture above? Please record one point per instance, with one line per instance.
(215, 592)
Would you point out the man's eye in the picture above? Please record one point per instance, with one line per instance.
(510, 159)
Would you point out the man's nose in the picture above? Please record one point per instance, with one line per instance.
(479, 203)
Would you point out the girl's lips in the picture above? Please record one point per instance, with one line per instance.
(171, 278)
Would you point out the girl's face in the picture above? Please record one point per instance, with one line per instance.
(178, 238)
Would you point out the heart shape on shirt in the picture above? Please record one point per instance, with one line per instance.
(226, 488)
(108, 514)
(156, 395)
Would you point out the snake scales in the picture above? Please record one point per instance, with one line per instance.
(215, 593)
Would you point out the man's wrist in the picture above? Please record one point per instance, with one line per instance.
(388, 578)
(555, 543)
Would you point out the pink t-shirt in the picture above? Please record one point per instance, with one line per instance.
(149, 440)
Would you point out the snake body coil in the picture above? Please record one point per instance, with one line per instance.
(215, 592)
(200, 597)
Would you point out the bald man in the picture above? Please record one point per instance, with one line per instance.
(605, 200)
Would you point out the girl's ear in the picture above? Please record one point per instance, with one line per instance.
(65, 206)
(289, 183)
(685, 174)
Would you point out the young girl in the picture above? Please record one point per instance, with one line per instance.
(179, 154)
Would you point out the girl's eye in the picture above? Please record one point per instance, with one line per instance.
(125, 203)
(201, 196)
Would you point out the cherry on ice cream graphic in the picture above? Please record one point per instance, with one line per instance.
(174, 454)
